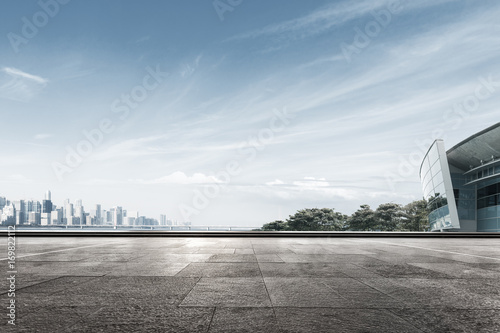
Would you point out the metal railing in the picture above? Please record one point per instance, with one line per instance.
(91, 228)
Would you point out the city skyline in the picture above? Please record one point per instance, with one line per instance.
(33, 212)
(242, 112)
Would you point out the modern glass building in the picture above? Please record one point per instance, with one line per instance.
(462, 185)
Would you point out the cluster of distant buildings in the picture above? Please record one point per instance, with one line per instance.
(46, 213)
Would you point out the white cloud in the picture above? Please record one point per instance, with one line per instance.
(275, 182)
(20, 86)
(315, 187)
(323, 61)
(328, 17)
(181, 178)
(16, 179)
(42, 136)
(19, 73)
(311, 183)
(189, 69)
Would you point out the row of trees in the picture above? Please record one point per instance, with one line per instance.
(387, 217)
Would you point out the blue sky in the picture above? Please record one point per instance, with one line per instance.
(239, 114)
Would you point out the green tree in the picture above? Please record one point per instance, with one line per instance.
(389, 217)
(416, 216)
(277, 225)
(363, 219)
(316, 219)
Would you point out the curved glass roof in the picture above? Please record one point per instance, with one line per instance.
(476, 150)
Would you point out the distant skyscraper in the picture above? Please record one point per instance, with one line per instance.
(98, 215)
(118, 216)
(80, 212)
(68, 209)
(34, 218)
(8, 215)
(45, 219)
(46, 209)
(108, 216)
(131, 218)
(33, 206)
(57, 216)
(73, 220)
(20, 207)
(46, 206)
(3, 202)
(163, 219)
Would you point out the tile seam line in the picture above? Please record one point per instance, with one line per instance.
(389, 309)
(392, 311)
(269, 296)
(55, 251)
(211, 319)
(437, 250)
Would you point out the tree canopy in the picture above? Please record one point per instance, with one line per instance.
(316, 219)
(387, 217)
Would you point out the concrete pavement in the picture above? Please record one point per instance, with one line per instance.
(235, 284)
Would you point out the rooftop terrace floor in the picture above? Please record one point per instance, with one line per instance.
(140, 284)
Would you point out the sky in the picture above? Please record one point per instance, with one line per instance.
(238, 112)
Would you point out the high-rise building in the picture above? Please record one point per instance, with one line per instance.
(47, 203)
(3, 202)
(57, 216)
(46, 206)
(47, 209)
(8, 215)
(80, 212)
(118, 215)
(131, 218)
(32, 206)
(34, 218)
(68, 209)
(45, 219)
(98, 215)
(108, 217)
(72, 220)
(163, 219)
(20, 207)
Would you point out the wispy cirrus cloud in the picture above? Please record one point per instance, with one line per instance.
(328, 17)
(315, 22)
(42, 136)
(16, 179)
(188, 69)
(181, 178)
(14, 72)
(20, 86)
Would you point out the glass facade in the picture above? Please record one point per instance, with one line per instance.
(465, 197)
(462, 185)
(488, 205)
(434, 177)
(484, 173)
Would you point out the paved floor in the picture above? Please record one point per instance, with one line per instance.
(254, 285)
